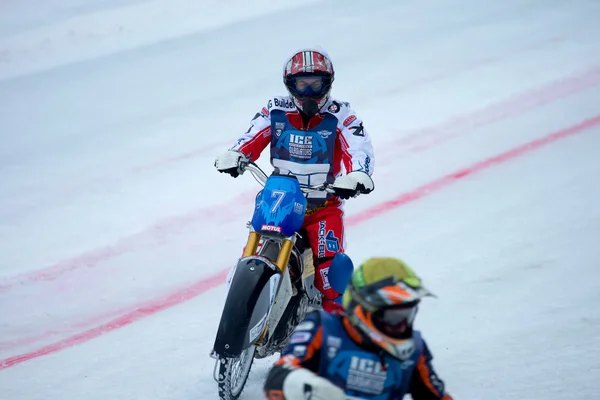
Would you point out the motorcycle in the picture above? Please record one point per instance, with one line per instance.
(272, 285)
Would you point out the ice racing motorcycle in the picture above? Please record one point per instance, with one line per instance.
(272, 285)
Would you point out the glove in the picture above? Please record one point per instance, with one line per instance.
(302, 384)
(353, 184)
(231, 162)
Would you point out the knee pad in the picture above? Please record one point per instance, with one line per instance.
(340, 272)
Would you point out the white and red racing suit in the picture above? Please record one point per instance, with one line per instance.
(329, 144)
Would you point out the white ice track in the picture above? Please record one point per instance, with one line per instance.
(115, 229)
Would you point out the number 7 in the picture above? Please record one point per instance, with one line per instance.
(280, 194)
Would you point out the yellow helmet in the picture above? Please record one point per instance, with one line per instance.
(381, 302)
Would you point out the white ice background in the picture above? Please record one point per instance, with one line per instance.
(111, 114)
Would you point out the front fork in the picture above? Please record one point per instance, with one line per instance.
(283, 257)
(251, 244)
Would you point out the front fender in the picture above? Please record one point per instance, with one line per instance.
(251, 295)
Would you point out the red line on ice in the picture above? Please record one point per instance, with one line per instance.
(145, 310)
(208, 283)
(148, 237)
(77, 326)
(422, 139)
(444, 181)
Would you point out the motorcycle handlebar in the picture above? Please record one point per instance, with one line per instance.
(261, 177)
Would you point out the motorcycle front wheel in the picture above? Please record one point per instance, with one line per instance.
(233, 374)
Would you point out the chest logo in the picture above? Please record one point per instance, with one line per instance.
(366, 375)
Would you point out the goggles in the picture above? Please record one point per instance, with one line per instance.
(309, 86)
(395, 322)
(395, 316)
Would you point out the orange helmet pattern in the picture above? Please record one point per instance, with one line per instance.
(381, 301)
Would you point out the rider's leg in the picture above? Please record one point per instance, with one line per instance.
(325, 230)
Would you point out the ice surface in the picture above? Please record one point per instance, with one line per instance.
(109, 202)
